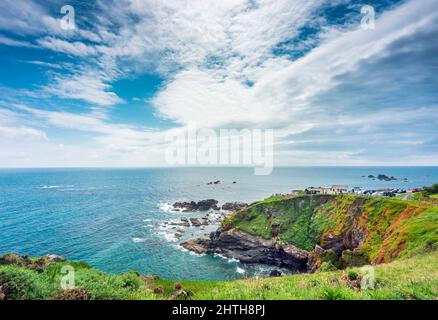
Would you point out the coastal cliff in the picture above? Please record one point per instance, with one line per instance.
(324, 231)
(314, 233)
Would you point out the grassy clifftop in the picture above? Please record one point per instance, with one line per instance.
(381, 228)
(413, 278)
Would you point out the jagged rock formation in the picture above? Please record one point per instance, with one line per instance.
(234, 206)
(203, 205)
(250, 249)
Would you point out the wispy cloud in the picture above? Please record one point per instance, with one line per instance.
(350, 94)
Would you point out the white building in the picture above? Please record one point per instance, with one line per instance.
(337, 189)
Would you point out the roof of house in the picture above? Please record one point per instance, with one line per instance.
(339, 186)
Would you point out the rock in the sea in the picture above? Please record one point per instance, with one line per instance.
(186, 206)
(203, 205)
(180, 224)
(195, 222)
(234, 206)
(236, 244)
(196, 245)
(382, 177)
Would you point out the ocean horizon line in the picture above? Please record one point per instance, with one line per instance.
(220, 167)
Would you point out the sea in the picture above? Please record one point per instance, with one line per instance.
(115, 219)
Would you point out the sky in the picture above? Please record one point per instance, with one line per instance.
(106, 93)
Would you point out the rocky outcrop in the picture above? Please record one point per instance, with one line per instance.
(203, 205)
(195, 222)
(384, 177)
(54, 258)
(234, 206)
(25, 261)
(236, 244)
(275, 273)
(320, 257)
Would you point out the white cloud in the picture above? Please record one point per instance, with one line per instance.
(220, 71)
(25, 17)
(283, 90)
(90, 87)
(16, 43)
(44, 64)
(75, 48)
(21, 133)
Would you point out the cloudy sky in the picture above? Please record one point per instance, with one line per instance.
(107, 92)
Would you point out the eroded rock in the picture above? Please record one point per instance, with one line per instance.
(203, 205)
(236, 244)
(234, 206)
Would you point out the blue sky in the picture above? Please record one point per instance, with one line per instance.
(107, 92)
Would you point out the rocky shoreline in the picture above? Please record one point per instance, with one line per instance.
(180, 229)
(338, 251)
(236, 244)
(206, 205)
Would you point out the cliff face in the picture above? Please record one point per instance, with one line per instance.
(250, 249)
(337, 230)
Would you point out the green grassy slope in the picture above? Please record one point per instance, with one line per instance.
(412, 278)
(393, 228)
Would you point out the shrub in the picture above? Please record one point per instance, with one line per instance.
(433, 189)
(23, 284)
(329, 293)
(130, 281)
(327, 266)
(352, 275)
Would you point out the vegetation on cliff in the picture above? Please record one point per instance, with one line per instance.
(412, 278)
(376, 228)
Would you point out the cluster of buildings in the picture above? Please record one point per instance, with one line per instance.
(343, 189)
(334, 189)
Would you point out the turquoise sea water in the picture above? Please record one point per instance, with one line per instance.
(112, 218)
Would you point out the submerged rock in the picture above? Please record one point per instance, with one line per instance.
(179, 224)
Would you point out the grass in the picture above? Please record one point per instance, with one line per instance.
(410, 278)
(393, 227)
